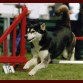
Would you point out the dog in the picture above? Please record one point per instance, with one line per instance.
(50, 44)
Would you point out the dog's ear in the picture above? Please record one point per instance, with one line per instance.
(43, 26)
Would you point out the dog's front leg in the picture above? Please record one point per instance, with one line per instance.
(32, 62)
(45, 59)
(36, 68)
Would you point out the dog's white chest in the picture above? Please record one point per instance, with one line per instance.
(37, 49)
(36, 46)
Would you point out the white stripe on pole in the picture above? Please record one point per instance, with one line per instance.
(70, 62)
(67, 62)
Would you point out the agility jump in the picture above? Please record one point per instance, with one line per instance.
(5, 58)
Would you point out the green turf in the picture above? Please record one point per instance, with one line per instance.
(52, 72)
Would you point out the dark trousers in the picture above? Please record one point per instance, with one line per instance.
(76, 27)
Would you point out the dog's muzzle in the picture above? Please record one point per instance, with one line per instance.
(29, 40)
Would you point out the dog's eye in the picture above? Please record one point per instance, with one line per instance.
(33, 31)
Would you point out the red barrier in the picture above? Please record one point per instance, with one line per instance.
(79, 38)
(5, 58)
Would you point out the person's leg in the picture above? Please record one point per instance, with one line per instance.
(77, 29)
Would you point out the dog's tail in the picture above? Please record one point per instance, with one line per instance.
(63, 10)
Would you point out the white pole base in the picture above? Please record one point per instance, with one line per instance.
(8, 69)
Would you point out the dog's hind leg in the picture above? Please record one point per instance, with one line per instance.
(72, 58)
(72, 48)
(65, 53)
(69, 53)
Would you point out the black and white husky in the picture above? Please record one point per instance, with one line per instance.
(50, 44)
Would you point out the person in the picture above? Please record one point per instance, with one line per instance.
(74, 14)
(74, 17)
(76, 24)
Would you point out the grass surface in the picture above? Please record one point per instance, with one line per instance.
(52, 72)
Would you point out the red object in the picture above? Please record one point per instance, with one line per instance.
(79, 38)
(5, 58)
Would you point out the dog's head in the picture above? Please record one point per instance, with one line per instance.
(35, 32)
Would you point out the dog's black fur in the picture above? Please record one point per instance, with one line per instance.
(59, 39)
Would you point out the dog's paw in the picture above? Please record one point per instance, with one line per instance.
(31, 73)
(26, 67)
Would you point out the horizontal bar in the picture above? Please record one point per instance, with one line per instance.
(13, 59)
(79, 38)
(67, 62)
